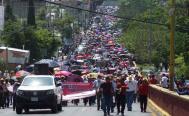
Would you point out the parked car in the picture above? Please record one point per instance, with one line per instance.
(39, 92)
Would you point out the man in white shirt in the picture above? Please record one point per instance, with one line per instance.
(132, 88)
(164, 81)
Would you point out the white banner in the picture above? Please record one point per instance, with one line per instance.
(70, 96)
(79, 95)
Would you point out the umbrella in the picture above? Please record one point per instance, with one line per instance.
(62, 73)
(51, 63)
(21, 73)
(93, 75)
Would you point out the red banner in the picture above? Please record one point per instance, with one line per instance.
(76, 87)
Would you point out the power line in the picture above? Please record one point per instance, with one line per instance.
(120, 17)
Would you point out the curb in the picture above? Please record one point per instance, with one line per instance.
(156, 110)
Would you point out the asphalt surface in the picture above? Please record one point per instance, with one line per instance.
(72, 110)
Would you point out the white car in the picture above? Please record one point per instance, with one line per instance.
(39, 92)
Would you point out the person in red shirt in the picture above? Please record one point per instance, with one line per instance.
(143, 95)
(153, 80)
(121, 96)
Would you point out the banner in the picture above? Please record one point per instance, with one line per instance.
(77, 90)
(76, 87)
(79, 95)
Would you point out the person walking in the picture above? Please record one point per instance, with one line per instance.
(164, 81)
(114, 84)
(132, 87)
(15, 87)
(1, 94)
(107, 95)
(7, 93)
(3, 86)
(97, 83)
(121, 96)
(143, 95)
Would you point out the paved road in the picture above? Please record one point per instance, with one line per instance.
(74, 111)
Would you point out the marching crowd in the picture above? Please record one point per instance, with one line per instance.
(118, 84)
(120, 91)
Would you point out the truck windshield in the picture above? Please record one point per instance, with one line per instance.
(37, 81)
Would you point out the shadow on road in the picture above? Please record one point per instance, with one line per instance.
(79, 106)
(41, 112)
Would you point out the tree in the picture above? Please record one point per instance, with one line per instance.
(41, 20)
(31, 13)
(63, 25)
(31, 43)
(13, 35)
(8, 12)
(136, 34)
(47, 41)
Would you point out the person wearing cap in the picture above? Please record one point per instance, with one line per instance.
(107, 94)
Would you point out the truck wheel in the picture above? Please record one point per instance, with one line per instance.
(26, 110)
(18, 110)
(54, 109)
(60, 107)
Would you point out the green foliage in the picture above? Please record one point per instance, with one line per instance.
(46, 40)
(41, 18)
(31, 43)
(137, 35)
(181, 67)
(12, 35)
(63, 25)
(37, 39)
(34, 38)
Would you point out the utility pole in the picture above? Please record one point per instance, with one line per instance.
(172, 54)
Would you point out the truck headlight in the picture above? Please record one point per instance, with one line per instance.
(19, 92)
(50, 92)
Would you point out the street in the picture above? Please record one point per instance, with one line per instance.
(72, 110)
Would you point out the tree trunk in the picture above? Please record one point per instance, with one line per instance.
(31, 13)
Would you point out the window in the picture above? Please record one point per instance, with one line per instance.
(37, 81)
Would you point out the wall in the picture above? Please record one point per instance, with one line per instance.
(171, 102)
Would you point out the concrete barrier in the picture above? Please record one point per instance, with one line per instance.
(169, 102)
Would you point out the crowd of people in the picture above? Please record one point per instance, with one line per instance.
(118, 83)
(8, 86)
